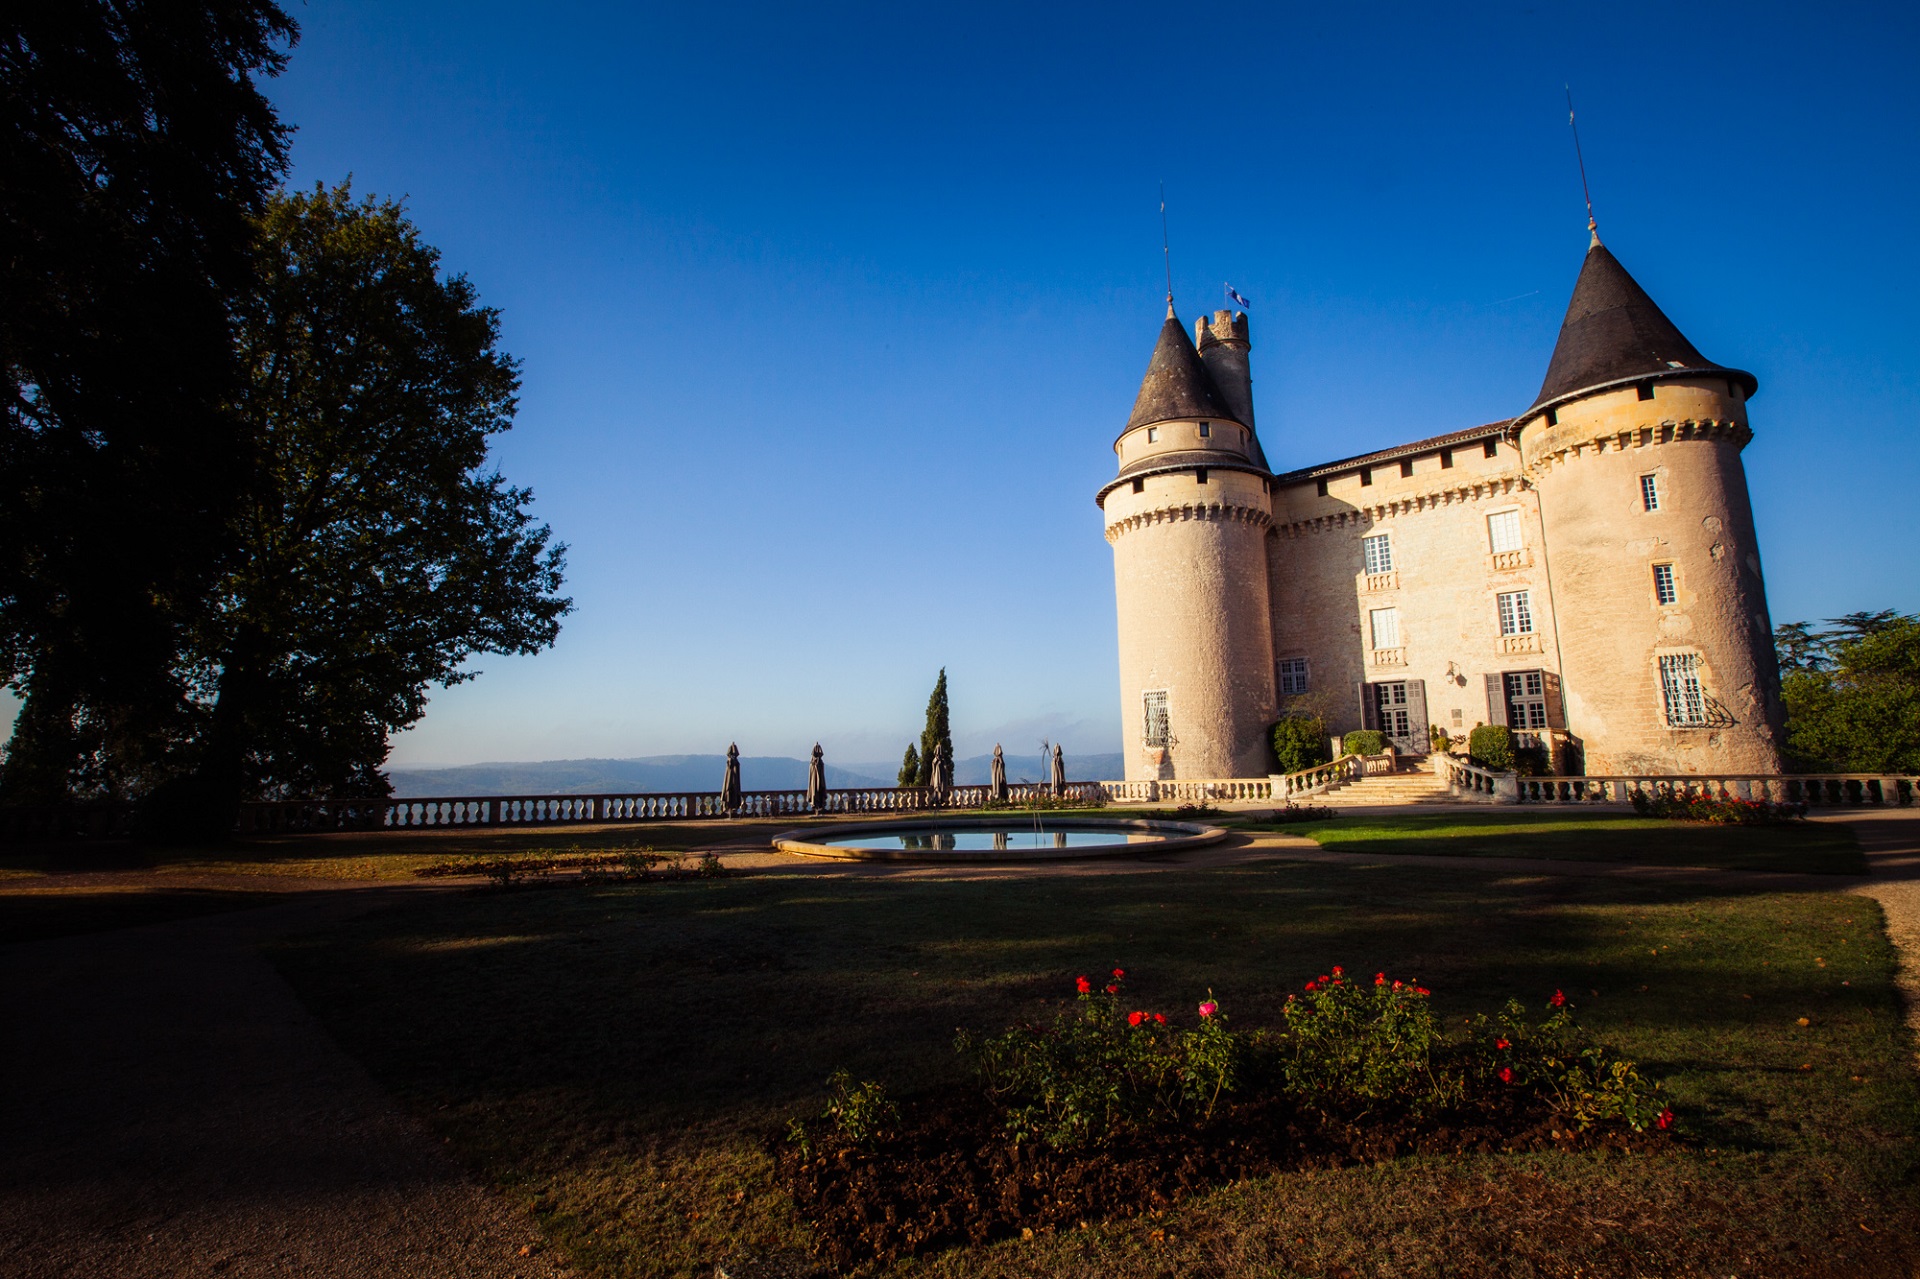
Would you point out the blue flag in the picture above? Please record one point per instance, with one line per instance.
(1231, 293)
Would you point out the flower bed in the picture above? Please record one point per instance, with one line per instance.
(1112, 1110)
(1681, 807)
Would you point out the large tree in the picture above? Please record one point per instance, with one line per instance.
(938, 731)
(377, 549)
(136, 151)
(1852, 693)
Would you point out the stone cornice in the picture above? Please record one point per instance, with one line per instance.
(1560, 446)
(1225, 511)
(1407, 504)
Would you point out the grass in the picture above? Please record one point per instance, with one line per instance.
(39, 914)
(619, 1056)
(1815, 847)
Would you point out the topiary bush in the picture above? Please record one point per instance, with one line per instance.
(1366, 741)
(1300, 742)
(1491, 747)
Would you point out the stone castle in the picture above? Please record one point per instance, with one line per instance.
(1585, 573)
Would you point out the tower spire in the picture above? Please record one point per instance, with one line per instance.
(1593, 228)
(1166, 249)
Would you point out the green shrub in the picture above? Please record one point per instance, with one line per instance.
(1585, 1082)
(1437, 739)
(1353, 1045)
(1682, 807)
(1300, 742)
(1100, 1071)
(1532, 761)
(860, 1110)
(1366, 741)
(1491, 747)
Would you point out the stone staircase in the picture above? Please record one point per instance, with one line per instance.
(1388, 789)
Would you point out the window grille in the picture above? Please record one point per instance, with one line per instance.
(1157, 732)
(1378, 552)
(1685, 704)
(1516, 613)
(1386, 627)
(1293, 675)
(1663, 587)
(1503, 528)
(1526, 699)
(1649, 493)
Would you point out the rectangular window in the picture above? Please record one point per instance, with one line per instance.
(1503, 531)
(1526, 699)
(1516, 613)
(1156, 704)
(1206, 430)
(1322, 488)
(1140, 486)
(1685, 704)
(1391, 702)
(1646, 390)
(1492, 448)
(1663, 588)
(1406, 468)
(1386, 627)
(1649, 493)
(1553, 417)
(1366, 477)
(1153, 434)
(1199, 475)
(1446, 459)
(1378, 552)
(1293, 675)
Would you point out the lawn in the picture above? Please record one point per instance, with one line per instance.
(619, 1056)
(35, 914)
(1816, 847)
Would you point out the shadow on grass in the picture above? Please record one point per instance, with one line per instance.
(623, 1053)
(40, 914)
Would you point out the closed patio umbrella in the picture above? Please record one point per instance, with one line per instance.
(730, 787)
(999, 779)
(817, 780)
(1059, 771)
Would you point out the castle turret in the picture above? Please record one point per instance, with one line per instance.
(1187, 516)
(1224, 345)
(1633, 446)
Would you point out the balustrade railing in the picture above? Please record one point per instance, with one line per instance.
(1470, 781)
(1817, 790)
(1196, 791)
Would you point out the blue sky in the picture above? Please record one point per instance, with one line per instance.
(830, 313)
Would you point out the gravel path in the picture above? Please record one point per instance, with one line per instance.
(168, 1108)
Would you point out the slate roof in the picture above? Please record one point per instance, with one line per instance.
(1177, 384)
(1614, 333)
(1432, 444)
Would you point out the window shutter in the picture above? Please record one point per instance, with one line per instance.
(1556, 710)
(1496, 700)
(1417, 714)
(1369, 708)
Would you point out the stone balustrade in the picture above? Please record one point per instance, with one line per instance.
(1196, 791)
(1818, 790)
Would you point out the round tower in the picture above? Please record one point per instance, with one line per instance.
(1666, 649)
(1187, 517)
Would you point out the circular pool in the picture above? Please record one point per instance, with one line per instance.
(1007, 837)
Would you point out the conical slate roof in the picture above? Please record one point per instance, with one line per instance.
(1177, 384)
(1615, 333)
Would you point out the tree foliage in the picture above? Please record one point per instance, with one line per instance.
(937, 733)
(1300, 742)
(909, 774)
(135, 151)
(1852, 693)
(377, 551)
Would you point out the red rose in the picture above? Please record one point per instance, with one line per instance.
(1134, 1019)
(1421, 990)
(1338, 971)
(1506, 1074)
(1313, 985)
(1085, 986)
(1113, 990)
(1501, 1043)
(1161, 1018)
(1379, 979)
(1118, 973)
(1666, 1118)
(1558, 999)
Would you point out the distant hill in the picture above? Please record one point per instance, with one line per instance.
(701, 773)
(614, 776)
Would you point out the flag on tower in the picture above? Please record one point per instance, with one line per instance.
(1233, 294)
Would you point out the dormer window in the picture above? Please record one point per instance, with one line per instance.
(1206, 430)
(1153, 434)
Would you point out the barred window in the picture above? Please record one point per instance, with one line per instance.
(1386, 627)
(1663, 587)
(1516, 613)
(1293, 675)
(1503, 530)
(1685, 704)
(1378, 552)
(1156, 705)
(1650, 492)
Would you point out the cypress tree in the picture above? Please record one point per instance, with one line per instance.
(937, 733)
(909, 768)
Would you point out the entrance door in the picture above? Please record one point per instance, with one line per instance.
(1400, 710)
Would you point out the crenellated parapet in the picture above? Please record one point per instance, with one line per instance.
(1453, 495)
(1173, 513)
